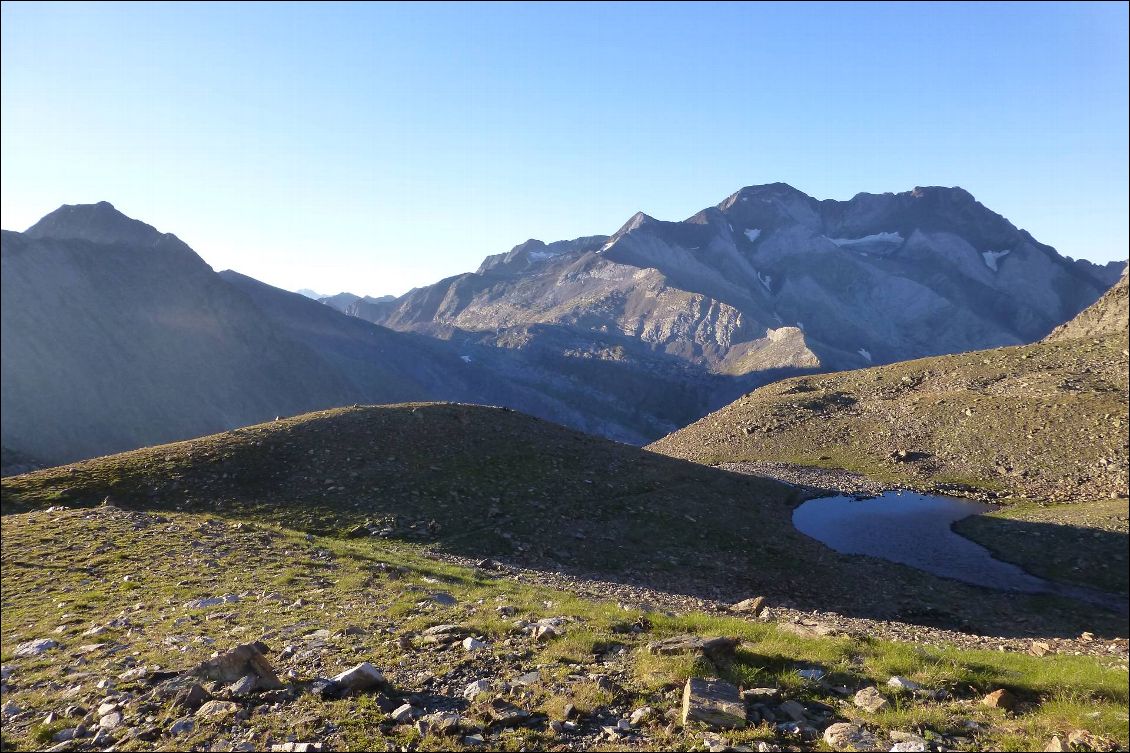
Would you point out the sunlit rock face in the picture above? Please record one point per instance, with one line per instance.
(878, 278)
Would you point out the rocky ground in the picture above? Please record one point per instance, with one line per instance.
(1045, 422)
(478, 483)
(813, 623)
(134, 630)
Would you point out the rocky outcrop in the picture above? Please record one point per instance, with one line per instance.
(714, 703)
(1107, 316)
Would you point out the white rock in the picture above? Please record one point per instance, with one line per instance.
(847, 736)
(476, 687)
(244, 685)
(403, 713)
(546, 632)
(36, 647)
(909, 746)
(182, 726)
(211, 601)
(639, 715)
(362, 677)
(472, 644)
(900, 682)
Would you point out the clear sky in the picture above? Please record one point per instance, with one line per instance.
(377, 147)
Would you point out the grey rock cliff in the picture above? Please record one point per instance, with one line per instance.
(771, 278)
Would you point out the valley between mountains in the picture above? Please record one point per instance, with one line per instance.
(235, 518)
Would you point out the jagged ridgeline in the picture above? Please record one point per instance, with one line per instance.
(771, 278)
(1045, 421)
(117, 336)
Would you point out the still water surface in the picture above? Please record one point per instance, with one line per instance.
(915, 529)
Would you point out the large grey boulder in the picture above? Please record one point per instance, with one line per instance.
(714, 703)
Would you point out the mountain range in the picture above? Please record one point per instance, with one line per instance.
(771, 278)
(116, 335)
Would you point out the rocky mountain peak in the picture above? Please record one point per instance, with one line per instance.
(635, 222)
(533, 244)
(533, 253)
(96, 223)
(953, 194)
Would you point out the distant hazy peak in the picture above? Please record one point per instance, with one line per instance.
(534, 252)
(533, 244)
(636, 221)
(96, 223)
(954, 193)
(766, 189)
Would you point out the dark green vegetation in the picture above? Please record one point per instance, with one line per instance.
(487, 482)
(339, 602)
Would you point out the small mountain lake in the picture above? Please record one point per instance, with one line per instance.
(915, 529)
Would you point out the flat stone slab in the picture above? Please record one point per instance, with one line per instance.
(714, 703)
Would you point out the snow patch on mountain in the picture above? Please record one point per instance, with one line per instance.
(889, 238)
(992, 257)
(753, 234)
(865, 353)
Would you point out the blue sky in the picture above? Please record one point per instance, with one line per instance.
(376, 147)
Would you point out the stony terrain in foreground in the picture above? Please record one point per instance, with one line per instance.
(442, 576)
(140, 630)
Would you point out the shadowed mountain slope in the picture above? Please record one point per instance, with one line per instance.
(116, 336)
(488, 482)
(1107, 316)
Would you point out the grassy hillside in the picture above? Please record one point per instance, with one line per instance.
(114, 589)
(1045, 421)
(487, 482)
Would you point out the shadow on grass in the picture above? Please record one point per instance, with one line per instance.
(490, 483)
